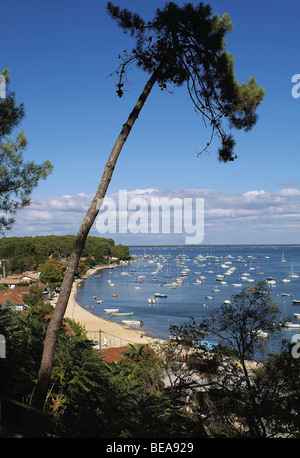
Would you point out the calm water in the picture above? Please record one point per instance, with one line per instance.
(198, 267)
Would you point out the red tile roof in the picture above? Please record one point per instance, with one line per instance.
(12, 296)
(111, 355)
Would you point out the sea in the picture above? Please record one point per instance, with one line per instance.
(195, 280)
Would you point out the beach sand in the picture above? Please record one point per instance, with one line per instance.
(111, 334)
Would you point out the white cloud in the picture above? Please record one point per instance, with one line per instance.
(256, 216)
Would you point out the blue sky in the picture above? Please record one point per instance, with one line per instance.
(60, 55)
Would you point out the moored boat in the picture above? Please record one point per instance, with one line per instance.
(121, 313)
(133, 322)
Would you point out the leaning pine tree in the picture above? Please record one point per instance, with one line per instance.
(179, 46)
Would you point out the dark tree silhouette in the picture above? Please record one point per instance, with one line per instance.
(180, 46)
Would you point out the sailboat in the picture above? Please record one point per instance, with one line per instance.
(292, 273)
(282, 258)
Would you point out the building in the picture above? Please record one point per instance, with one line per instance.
(12, 297)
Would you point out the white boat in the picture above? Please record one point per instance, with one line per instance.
(290, 325)
(261, 334)
(282, 257)
(110, 310)
(297, 315)
(296, 301)
(151, 300)
(292, 273)
(237, 284)
(99, 302)
(132, 322)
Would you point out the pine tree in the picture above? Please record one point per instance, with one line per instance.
(180, 46)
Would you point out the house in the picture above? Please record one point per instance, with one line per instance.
(14, 298)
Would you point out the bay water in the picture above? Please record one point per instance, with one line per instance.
(196, 280)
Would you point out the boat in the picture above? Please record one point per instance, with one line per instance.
(99, 302)
(261, 334)
(151, 300)
(160, 295)
(297, 315)
(110, 310)
(114, 295)
(121, 313)
(296, 301)
(291, 325)
(282, 258)
(133, 322)
(94, 297)
(292, 273)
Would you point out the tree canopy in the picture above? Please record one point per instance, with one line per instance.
(187, 45)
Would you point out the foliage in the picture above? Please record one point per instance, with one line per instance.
(243, 397)
(51, 275)
(120, 251)
(29, 253)
(17, 178)
(187, 45)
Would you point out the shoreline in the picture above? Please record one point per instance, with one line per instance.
(107, 333)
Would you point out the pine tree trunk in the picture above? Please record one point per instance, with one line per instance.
(41, 387)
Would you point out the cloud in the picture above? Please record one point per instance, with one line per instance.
(256, 216)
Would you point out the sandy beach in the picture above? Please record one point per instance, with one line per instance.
(99, 329)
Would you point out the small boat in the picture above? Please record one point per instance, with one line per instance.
(261, 334)
(297, 315)
(99, 302)
(209, 297)
(151, 300)
(114, 295)
(94, 297)
(296, 301)
(111, 310)
(292, 273)
(122, 314)
(132, 322)
(160, 295)
(290, 325)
